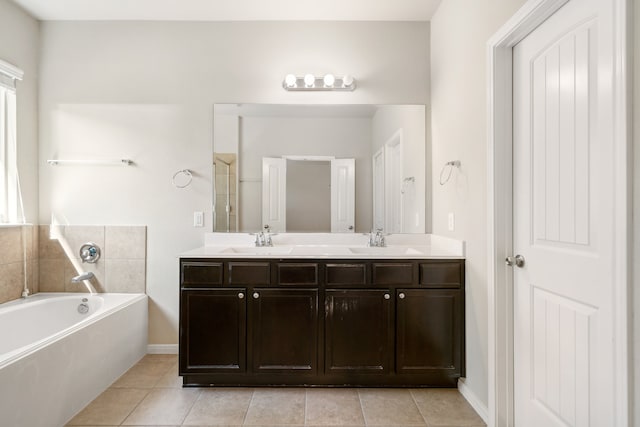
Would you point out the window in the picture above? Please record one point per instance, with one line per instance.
(10, 198)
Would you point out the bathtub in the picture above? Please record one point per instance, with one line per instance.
(59, 351)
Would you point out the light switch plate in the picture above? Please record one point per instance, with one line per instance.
(451, 222)
(198, 219)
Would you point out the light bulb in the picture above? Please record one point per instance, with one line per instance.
(329, 80)
(309, 80)
(347, 80)
(290, 80)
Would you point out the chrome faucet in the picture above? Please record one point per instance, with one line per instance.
(263, 238)
(377, 239)
(82, 277)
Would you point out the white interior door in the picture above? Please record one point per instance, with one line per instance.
(343, 195)
(563, 220)
(378, 189)
(274, 194)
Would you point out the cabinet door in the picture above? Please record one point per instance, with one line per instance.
(429, 331)
(284, 330)
(212, 330)
(358, 330)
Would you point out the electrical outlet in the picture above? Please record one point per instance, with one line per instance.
(451, 222)
(198, 219)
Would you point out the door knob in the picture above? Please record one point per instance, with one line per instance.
(518, 261)
(240, 295)
(256, 295)
(401, 295)
(387, 296)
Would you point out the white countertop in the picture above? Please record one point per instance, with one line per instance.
(328, 246)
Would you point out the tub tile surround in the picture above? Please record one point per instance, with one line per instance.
(150, 394)
(12, 259)
(121, 267)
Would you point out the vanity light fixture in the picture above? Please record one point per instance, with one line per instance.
(309, 82)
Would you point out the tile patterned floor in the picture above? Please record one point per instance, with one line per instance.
(150, 394)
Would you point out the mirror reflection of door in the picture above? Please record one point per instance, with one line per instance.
(378, 190)
(393, 184)
(225, 194)
(308, 195)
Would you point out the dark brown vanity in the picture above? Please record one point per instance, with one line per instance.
(323, 322)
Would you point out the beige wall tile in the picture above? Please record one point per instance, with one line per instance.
(126, 275)
(11, 281)
(125, 242)
(48, 248)
(10, 245)
(51, 275)
(34, 281)
(78, 235)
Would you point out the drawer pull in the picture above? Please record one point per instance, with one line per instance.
(256, 295)
(401, 295)
(240, 295)
(387, 296)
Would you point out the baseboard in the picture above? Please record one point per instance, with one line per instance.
(474, 401)
(162, 349)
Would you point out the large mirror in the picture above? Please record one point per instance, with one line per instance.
(320, 168)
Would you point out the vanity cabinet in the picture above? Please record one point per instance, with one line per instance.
(324, 322)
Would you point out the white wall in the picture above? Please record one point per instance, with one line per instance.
(459, 32)
(411, 120)
(146, 90)
(20, 46)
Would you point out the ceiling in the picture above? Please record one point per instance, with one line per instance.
(231, 10)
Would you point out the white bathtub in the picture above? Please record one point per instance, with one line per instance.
(55, 360)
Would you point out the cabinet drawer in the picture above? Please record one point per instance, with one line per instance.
(441, 274)
(249, 273)
(346, 274)
(392, 273)
(201, 274)
(297, 273)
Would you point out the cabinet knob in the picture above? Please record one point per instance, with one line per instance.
(256, 295)
(387, 296)
(240, 295)
(401, 295)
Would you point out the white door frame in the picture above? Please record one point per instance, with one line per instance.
(500, 203)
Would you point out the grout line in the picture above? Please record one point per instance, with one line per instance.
(304, 412)
(244, 419)
(364, 417)
(186, 414)
(418, 406)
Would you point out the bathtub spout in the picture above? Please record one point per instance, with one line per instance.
(85, 277)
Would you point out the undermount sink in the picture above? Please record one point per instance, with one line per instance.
(258, 250)
(386, 250)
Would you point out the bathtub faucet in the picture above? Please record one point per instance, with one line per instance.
(84, 276)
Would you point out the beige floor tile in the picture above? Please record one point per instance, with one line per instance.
(333, 407)
(110, 408)
(163, 406)
(389, 407)
(220, 407)
(171, 379)
(147, 372)
(445, 407)
(273, 407)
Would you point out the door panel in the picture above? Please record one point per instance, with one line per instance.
(343, 195)
(274, 194)
(284, 330)
(563, 221)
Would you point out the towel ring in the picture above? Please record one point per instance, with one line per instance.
(182, 178)
(451, 165)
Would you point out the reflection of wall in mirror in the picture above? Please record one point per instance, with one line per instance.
(308, 196)
(225, 184)
(342, 137)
